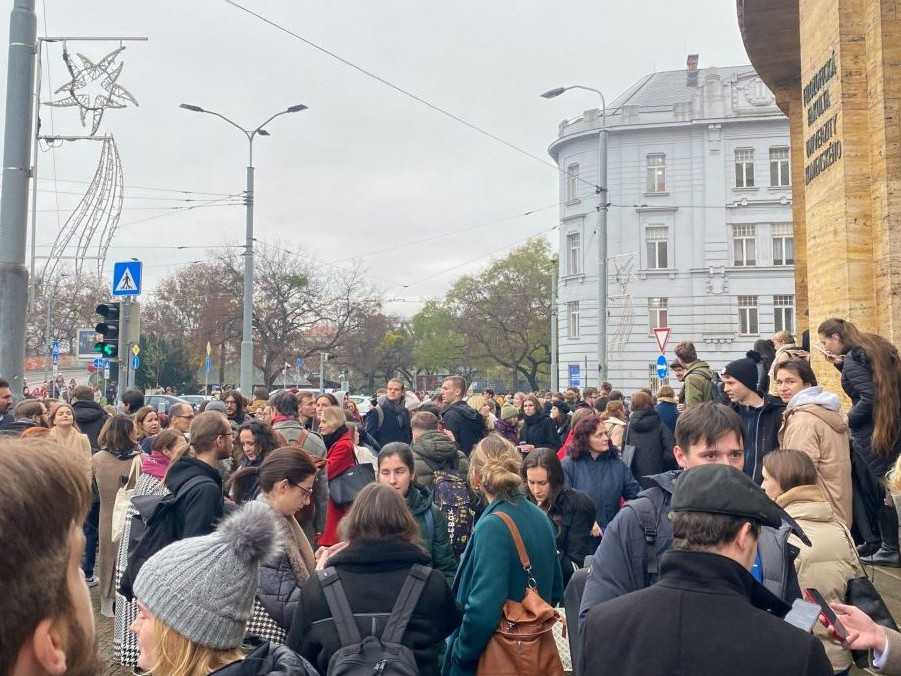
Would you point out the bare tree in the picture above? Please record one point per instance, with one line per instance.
(72, 302)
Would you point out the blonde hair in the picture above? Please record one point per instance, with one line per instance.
(178, 656)
(334, 415)
(495, 462)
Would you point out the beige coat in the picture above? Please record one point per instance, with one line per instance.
(616, 428)
(831, 560)
(75, 442)
(110, 474)
(822, 434)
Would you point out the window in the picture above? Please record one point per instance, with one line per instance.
(658, 315)
(783, 244)
(572, 319)
(744, 168)
(657, 247)
(744, 245)
(572, 182)
(784, 313)
(747, 315)
(779, 170)
(657, 173)
(573, 253)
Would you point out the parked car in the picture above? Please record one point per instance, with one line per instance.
(163, 402)
(363, 403)
(195, 399)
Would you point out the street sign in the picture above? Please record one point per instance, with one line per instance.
(661, 367)
(662, 336)
(575, 375)
(54, 349)
(135, 350)
(208, 364)
(56, 359)
(298, 363)
(135, 362)
(106, 371)
(99, 363)
(127, 278)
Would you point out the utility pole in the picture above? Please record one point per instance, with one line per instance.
(122, 379)
(555, 367)
(14, 192)
(602, 247)
(323, 357)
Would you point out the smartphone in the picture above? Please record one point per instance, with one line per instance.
(827, 616)
(803, 615)
(824, 351)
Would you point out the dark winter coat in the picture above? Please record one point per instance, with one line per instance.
(767, 423)
(433, 451)
(604, 479)
(490, 574)
(857, 382)
(669, 414)
(653, 443)
(572, 514)
(620, 564)
(279, 592)
(706, 616)
(372, 573)
(508, 431)
(201, 507)
(433, 530)
(539, 431)
(395, 422)
(466, 423)
(269, 660)
(90, 417)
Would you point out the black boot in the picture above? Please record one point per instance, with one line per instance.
(888, 528)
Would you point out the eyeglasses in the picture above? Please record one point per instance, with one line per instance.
(306, 491)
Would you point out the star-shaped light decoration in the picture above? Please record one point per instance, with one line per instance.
(94, 87)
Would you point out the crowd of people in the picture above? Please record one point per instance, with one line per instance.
(292, 535)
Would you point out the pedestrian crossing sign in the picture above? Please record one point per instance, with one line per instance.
(127, 278)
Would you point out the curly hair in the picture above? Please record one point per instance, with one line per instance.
(580, 444)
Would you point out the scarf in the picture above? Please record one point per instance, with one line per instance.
(330, 439)
(155, 465)
(295, 544)
(281, 418)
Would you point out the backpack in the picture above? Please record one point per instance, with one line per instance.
(155, 525)
(452, 496)
(373, 655)
(647, 516)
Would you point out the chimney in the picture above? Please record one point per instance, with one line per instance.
(692, 76)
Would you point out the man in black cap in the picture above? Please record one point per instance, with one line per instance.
(760, 413)
(707, 614)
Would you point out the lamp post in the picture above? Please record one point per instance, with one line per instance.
(247, 320)
(601, 191)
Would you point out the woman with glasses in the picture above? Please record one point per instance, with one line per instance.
(285, 480)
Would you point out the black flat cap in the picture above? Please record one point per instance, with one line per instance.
(722, 489)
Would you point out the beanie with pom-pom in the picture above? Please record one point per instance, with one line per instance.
(204, 587)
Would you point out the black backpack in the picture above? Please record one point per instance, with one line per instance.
(155, 525)
(644, 509)
(382, 655)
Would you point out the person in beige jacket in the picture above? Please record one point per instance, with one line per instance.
(64, 431)
(813, 423)
(790, 478)
(615, 421)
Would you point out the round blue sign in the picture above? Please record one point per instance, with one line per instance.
(661, 366)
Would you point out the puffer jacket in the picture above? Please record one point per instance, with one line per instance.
(433, 529)
(466, 423)
(857, 382)
(279, 591)
(539, 431)
(435, 451)
(831, 560)
(653, 443)
(697, 386)
(269, 660)
(813, 423)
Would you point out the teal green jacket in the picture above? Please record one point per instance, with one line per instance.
(490, 574)
(433, 531)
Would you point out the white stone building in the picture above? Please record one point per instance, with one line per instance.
(699, 224)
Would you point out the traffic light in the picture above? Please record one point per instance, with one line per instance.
(108, 347)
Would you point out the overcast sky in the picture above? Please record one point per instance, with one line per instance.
(365, 169)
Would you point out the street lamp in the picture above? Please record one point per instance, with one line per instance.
(247, 320)
(601, 191)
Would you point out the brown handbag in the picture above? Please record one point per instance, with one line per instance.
(523, 642)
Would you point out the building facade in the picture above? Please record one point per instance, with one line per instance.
(699, 226)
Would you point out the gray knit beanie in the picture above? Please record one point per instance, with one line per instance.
(204, 587)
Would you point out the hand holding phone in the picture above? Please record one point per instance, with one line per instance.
(828, 618)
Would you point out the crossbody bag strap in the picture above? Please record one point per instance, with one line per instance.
(520, 546)
(134, 472)
(338, 606)
(405, 604)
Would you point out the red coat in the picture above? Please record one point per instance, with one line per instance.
(340, 457)
(564, 449)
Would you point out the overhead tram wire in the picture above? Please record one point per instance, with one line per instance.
(148, 188)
